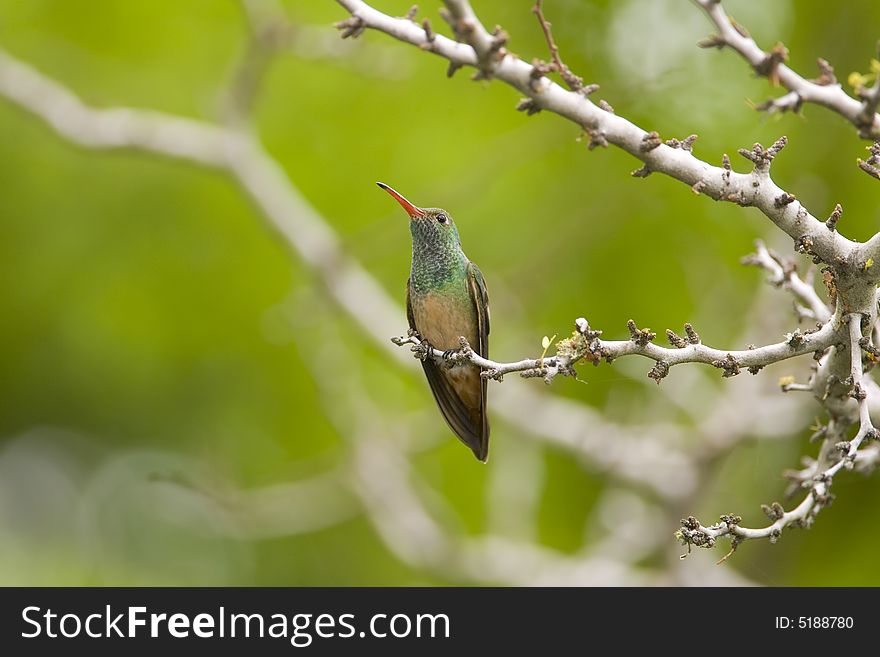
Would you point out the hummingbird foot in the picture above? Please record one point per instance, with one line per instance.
(458, 357)
(424, 350)
(452, 358)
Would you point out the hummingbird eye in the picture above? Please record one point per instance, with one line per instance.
(442, 218)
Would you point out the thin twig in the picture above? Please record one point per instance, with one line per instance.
(574, 82)
(824, 91)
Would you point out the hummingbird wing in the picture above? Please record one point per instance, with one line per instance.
(467, 419)
(480, 297)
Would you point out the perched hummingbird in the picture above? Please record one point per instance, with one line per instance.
(446, 298)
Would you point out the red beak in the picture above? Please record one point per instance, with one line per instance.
(411, 209)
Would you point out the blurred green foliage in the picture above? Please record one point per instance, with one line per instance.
(147, 310)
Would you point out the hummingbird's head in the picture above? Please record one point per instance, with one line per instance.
(431, 227)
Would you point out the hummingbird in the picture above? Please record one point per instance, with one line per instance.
(446, 299)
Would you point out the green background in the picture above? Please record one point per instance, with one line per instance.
(152, 326)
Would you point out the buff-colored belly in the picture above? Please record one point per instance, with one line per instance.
(442, 320)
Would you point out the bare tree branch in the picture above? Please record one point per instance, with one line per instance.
(871, 166)
(825, 90)
(783, 273)
(585, 345)
(844, 455)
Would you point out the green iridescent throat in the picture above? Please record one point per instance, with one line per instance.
(437, 259)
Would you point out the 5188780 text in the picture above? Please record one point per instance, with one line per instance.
(814, 623)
